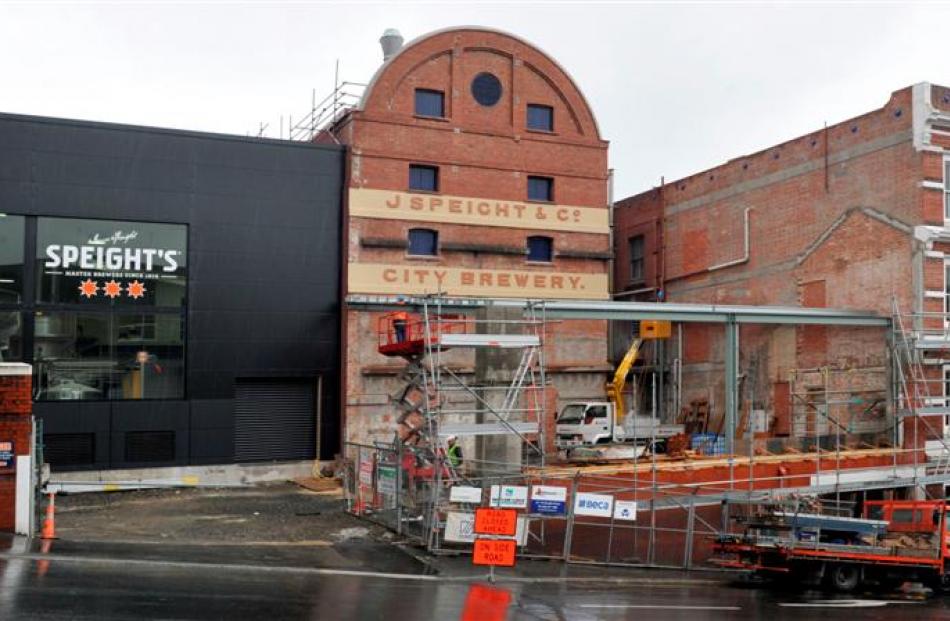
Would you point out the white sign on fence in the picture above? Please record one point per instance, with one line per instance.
(386, 480)
(548, 499)
(509, 496)
(460, 528)
(597, 505)
(625, 510)
(461, 493)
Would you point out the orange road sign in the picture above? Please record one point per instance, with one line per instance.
(494, 552)
(496, 522)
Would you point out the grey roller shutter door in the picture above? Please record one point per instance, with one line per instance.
(274, 420)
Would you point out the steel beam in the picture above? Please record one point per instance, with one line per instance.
(633, 311)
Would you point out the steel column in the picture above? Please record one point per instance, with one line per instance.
(732, 384)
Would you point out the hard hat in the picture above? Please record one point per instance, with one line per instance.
(451, 439)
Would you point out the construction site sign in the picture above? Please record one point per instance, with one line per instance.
(509, 496)
(494, 552)
(496, 522)
(595, 505)
(625, 510)
(7, 456)
(386, 480)
(462, 493)
(548, 499)
(460, 528)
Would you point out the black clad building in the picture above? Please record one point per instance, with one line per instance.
(177, 293)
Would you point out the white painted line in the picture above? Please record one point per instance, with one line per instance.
(659, 607)
(846, 603)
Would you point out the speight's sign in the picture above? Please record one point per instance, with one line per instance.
(108, 259)
(111, 253)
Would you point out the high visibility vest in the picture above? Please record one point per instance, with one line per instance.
(455, 455)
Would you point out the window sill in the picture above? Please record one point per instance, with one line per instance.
(424, 257)
(539, 201)
(425, 117)
(546, 132)
(539, 263)
(416, 191)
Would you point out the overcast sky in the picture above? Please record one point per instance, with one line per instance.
(676, 88)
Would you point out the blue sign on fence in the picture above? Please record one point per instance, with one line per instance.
(548, 499)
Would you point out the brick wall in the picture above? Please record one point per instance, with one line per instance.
(832, 216)
(484, 152)
(16, 407)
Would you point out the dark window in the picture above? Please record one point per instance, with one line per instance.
(11, 259)
(636, 258)
(902, 516)
(423, 242)
(486, 89)
(875, 512)
(540, 249)
(11, 336)
(425, 178)
(540, 117)
(540, 189)
(430, 103)
(108, 356)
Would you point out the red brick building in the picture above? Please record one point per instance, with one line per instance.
(476, 168)
(850, 216)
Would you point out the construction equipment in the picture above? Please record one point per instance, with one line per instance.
(895, 541)
(590, 423)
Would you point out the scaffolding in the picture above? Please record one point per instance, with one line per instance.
(675, 516)
(436, 402)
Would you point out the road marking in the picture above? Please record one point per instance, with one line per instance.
(659, 607)
(846, 603)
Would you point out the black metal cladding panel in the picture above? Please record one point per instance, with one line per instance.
(149, 446)
(69, 449)
(274, 419)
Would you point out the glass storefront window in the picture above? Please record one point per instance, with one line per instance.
(108, 356)
(110, 262)
(11, 336)
(11, 259)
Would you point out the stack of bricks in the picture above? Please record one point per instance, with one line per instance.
(16, 407)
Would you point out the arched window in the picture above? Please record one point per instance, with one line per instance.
(423, 242)
(540, 248)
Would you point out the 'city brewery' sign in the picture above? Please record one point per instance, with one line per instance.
(369, 203)
(401, 279)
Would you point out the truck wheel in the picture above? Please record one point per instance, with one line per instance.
(843, 578)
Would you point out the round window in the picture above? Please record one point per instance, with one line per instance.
(486, 89)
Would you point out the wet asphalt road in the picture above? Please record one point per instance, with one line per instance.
(76, 586)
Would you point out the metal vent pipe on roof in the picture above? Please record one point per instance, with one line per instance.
(391, 42)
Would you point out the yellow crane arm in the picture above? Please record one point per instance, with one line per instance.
(615, 387)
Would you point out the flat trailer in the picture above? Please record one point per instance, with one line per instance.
(895, 541)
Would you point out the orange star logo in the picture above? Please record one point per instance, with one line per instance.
(112, 289)
(136, 289)
(88, 288)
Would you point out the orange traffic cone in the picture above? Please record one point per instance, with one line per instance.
(49, 522)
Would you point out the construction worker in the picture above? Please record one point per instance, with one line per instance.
(455, 452)
(399, 326)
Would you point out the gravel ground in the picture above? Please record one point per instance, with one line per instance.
(276, 513)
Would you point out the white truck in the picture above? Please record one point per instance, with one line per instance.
(586, 424)
(589, 423)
